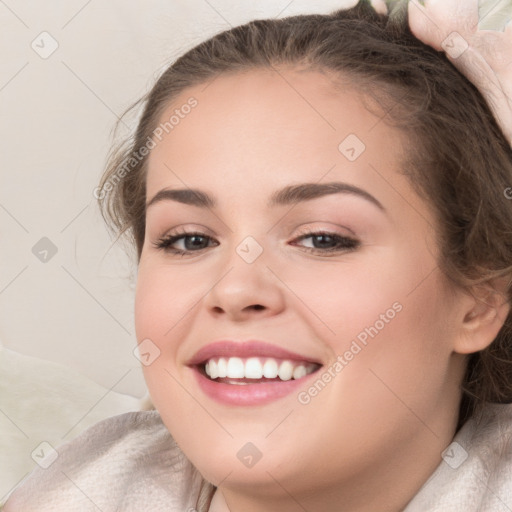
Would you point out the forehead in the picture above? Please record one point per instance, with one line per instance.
(271, 126)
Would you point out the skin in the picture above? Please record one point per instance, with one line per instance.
(375, 433)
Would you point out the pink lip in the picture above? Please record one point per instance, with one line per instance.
(250, 348)
(249, 394)
(259, 393)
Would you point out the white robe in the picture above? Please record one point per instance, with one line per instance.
(130, 463)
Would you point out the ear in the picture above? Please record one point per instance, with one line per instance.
(484, 311)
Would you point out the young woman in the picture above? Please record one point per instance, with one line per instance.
(320, 214)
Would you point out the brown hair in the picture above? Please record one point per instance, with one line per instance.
(458, 157)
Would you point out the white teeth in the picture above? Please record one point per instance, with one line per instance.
(286, 370)
(270, 369)
(256, 368)
(222, 367)
(253, 368)
(235, 368)
(213, 369)
(299, 372)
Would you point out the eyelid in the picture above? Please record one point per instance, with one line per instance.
(190, 229)
(314, 229)
(186, 229)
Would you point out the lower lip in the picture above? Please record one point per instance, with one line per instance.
(249, 394)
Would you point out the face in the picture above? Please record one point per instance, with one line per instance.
(312, 258)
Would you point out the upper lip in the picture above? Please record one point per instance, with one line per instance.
(244, 349)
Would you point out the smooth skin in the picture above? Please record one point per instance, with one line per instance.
(375, 433)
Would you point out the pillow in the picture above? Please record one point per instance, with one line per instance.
(42, 405)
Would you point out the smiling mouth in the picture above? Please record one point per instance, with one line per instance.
(255, 370)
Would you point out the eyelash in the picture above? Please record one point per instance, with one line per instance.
(347, 243)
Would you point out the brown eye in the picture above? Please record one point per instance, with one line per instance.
(191, 242)
(325, 242)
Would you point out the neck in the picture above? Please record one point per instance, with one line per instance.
(387, 484)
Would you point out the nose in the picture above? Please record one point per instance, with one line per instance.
(245, 290)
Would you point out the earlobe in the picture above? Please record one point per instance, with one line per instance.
(484, 317)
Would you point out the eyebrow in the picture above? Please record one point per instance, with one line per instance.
(289, 195)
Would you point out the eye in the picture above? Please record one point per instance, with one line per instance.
(326, 242)
(322, 242)
(191, 241)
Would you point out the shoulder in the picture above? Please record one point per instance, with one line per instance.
(476, 471)
(127, 462)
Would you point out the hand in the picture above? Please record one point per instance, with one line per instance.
(483, 56)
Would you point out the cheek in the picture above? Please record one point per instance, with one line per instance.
(167, 302)
(384, 317)
(163, 297)
(390, 357)
(398, 353)
(355, 297)
(157, 312)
